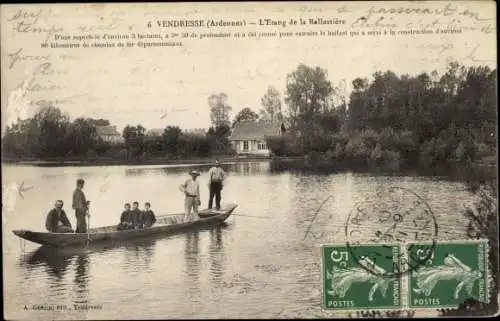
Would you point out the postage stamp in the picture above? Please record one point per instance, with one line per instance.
(348, 283)
(456, 271)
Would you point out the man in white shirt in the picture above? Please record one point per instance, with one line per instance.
(191, 189)
(216, 176)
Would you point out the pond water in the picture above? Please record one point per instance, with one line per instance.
(252, 267)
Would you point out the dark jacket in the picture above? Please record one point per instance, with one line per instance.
(79, 201)
(126, 217)
(148, 218)
(136, 216)
(54, 217)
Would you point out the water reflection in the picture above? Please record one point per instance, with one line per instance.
(56, 264)
(178, 169)
(251, 168)
(81, 280)
(192, 266)
(238, 168)
(141, 253)
(216, 253)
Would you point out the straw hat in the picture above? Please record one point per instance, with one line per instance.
(194, 173)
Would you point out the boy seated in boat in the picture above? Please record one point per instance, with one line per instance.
(136, 215)
(57, 221)
(126, 221)
(148, 216)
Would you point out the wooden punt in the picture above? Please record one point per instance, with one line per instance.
(164, 225)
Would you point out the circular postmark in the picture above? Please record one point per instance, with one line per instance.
(393, 216)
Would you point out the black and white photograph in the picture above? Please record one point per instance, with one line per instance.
(239, 160)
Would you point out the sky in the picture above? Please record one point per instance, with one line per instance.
(157, 87)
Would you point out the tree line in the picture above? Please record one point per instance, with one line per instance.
(425, 120)
(50, 134)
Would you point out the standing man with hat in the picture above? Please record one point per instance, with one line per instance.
(191, 189)
(81, 207)
(216, 176)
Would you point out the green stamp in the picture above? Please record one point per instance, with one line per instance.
(361, 281)
(455, 272)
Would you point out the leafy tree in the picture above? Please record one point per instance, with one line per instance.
(219, 137)
(219, 110)
(82, 136)
(246, 114)
(171, 139)
(271, 101)
(308, 92)
(53, 126)
(134, 137)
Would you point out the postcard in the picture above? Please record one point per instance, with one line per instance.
(249, 160)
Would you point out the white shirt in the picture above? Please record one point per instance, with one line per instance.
(216, 174)
(192, 187)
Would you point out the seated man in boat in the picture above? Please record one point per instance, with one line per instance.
(148, 216)
(136, 215)
(126, 221)
(57, 221)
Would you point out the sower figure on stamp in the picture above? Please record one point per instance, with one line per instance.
(57, 221)
(81, 206)
(216, 176)
(191, 189)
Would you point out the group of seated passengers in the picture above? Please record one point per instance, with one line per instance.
(135, 218)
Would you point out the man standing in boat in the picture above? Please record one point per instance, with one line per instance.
(81, 207)
(216, 176)
(191, 189)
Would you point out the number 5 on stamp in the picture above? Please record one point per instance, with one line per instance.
(358, 277)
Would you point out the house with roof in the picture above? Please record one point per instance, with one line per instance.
(109, 134)
(249, 137)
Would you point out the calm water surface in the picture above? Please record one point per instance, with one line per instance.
(249, 267)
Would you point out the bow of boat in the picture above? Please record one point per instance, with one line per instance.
(28, 235)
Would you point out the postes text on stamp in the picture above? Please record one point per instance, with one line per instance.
(347, 284)
(456, 271)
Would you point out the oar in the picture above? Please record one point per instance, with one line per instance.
(231, 215)
(251, 216)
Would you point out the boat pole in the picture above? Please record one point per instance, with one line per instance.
(88, 226)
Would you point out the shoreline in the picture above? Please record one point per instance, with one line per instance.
(282, 162)
(138, 162)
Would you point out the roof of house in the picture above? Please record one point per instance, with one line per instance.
(107, 131)
(250, 130)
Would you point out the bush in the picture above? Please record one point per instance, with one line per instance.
(483, 218)
(357, 151)
(369, 137)
(388, 138)
(276, 145)
(391, 160)
(376, 155)
(91, 153)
